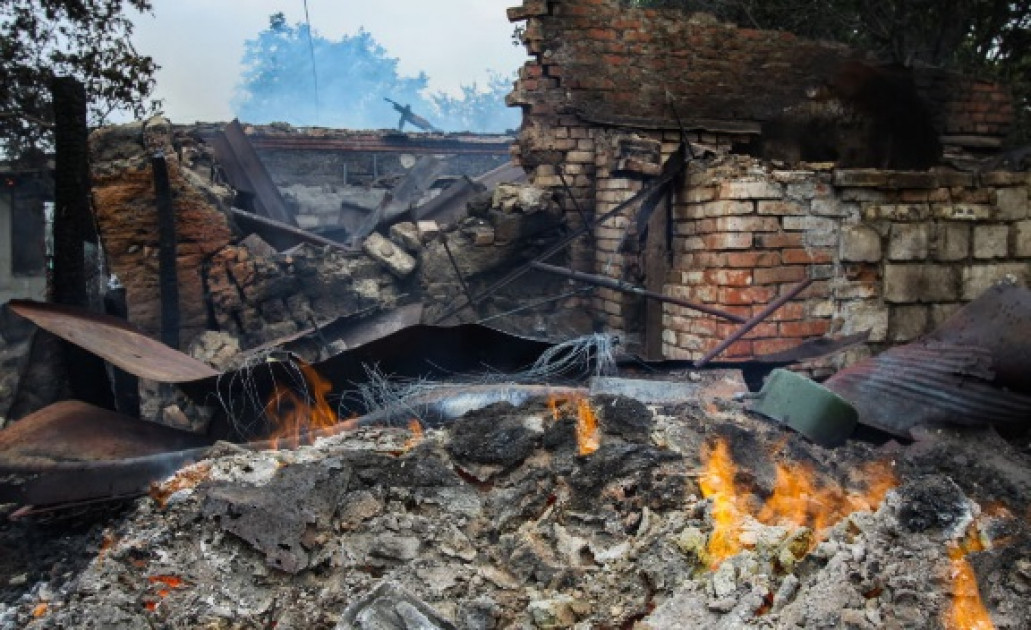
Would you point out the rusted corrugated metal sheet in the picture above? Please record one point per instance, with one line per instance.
(973, 370)
(929, 384)
(72, 451)
(115, 341)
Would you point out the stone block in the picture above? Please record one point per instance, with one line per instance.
(1011, 203)
(976, 279)
(395, 259)
(942, 312)
(860, 177)
(830, 207)
(920, 283)
(991, 241)
(963, 212)
(428, 230)
(952, 242)
(897, 212)
(748, 189)
(906, 323)
(1022, 239)
(865, 315)
(780, 208)
(860, 243)
(406, 234)
(908, 241)
(819, 224)
(727, 207)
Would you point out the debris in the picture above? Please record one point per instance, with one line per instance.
(972, 370)
(391, 256)
(807, 407)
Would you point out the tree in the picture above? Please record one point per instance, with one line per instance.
(294, 75)
(87, 40)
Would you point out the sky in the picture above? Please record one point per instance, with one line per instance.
(199, 43)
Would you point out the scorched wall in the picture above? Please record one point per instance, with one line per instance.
(894, 246)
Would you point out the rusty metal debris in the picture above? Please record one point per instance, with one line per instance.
(115, 341)
(970, 371)
(72, 451)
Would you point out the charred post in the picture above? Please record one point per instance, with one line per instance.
(168, 280)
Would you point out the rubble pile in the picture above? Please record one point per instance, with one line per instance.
(498, 520)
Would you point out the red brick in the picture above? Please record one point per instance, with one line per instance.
(728, 240)
(811, 328)
(769, 346)
(772, 275)
(751, 295)
(738, 349)
(806, 256)
(791, 311)
(752, 259)
(779, 240)
(729, 277)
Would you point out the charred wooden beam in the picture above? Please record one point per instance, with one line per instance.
(625, 287)
(168, 274)
(297, 234)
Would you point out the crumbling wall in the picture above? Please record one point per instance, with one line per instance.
(893, 252)
(126, 214)
(609, 93)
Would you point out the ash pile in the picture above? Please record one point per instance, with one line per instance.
(700, 514)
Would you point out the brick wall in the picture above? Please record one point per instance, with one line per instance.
(893, 252)
(598, 122)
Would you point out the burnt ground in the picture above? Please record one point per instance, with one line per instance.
(497, 522)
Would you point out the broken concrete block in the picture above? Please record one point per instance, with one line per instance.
(257, 246)
(428, 230)
(481, 235)
(395, 259)
(406, 235)
(860, 244)
(522, 197)
(389, 606)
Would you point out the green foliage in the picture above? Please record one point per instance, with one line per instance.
(351, 78)
(40, 39)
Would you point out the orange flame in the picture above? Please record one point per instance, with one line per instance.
(295, 417)
(40, 609)
(417, 434)
(587, 437)
(966, 610)
(801, 498)
(717, 483)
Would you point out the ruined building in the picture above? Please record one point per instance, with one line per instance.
(828, 166)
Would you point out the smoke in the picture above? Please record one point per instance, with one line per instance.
(351, 78)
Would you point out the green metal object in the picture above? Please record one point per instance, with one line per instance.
(807, 407)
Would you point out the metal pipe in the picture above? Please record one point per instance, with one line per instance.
(755, 321)
(619, 285)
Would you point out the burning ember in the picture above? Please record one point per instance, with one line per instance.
(717, 484)
(415, 427)
(588, 436)
(800, 498)
(966, 610)
(295, 417)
